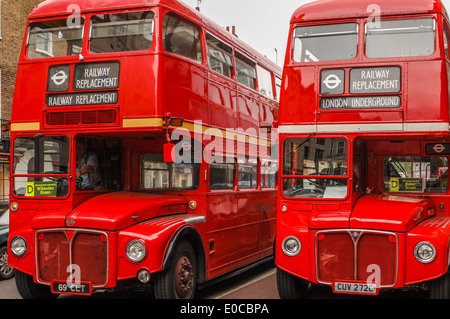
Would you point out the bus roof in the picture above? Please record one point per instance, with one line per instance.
(54, 8)
(347, 9)
(64, 7)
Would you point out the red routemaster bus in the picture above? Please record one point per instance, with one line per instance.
(137, 154)
(364, 200)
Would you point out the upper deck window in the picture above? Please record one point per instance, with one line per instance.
(220, 56)
(54, 38)
(121, 32)
(182, 38)
(265, 84)
(245, 70)
(325, 42)
(401, 38)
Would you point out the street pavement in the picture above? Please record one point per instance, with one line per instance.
(256, 284)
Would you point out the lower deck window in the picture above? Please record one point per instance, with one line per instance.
(416, 174)
(157, 174)
(221, 176)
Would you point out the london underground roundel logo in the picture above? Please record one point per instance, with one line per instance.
(59, 78)
(332, 81)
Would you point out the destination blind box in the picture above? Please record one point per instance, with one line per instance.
(101, 78)
(368, 88)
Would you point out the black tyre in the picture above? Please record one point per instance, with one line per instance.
(6, 271)
(290, 286)
(179, 280)
(28, 289)
(440, 288)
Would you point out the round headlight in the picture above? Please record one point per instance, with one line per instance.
(425, 252)
(18, 246)
(135, 251)
(291, 246)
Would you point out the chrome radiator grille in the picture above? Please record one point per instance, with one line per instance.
(356, 255)
(86, 251)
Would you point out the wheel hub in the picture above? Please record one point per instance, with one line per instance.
(5, 269)
(184, 277)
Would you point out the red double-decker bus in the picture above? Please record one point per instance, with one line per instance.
(137, 153)
(364, 198)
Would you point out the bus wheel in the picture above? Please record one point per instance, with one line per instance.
(179, 280)
(30, 290)
(289, 286)
(440, 288)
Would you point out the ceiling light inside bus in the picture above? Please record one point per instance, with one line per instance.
(135, 251)
(424, 252)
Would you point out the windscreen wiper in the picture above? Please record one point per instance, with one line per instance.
(306, 140)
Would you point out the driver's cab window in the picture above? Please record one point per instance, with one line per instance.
(97, 164)
(415, 174)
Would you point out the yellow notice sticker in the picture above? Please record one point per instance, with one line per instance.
(41, 189)
(395, 184)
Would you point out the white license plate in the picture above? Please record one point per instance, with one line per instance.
(359, 288)
(77, 288)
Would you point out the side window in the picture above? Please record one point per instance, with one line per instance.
(245, 70)
(182, 38)
(265, 84)
(157, 174)
(248, 174)
(278, 87)
(220, 56)
(221, 176)
(446, 42)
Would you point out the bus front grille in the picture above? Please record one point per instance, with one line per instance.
(86, 252)
(357, 255)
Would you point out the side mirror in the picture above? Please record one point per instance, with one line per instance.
(176, 121)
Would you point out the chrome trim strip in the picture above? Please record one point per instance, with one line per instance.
(355, 245)
(362, 127)
(436, 221)
(70, 242)
(169, 219)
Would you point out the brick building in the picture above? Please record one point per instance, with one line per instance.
(13, 19)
